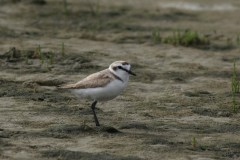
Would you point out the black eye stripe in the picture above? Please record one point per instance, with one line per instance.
(120, 67)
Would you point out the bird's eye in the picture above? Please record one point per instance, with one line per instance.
(119, 67)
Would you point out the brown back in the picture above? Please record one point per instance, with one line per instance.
(99, 79)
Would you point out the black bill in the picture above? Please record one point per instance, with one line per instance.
(130, 72)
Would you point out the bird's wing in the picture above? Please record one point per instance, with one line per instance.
(95, 80)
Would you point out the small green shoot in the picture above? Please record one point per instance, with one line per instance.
(234, 79)
(26, 59)
(156, 36)
(59, 157)
(51, 58)
(63, 49)
(228, 41)
(169, 40)
(35, 91)
(233, 107)
(203, 39)
(238, 40)
(66, 11)
(193, 141)
(235, 88)
(48, 68)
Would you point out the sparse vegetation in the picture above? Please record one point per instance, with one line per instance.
(39, 51)
(178, 89)
(235, 88)
(187, 39)
(156, 36)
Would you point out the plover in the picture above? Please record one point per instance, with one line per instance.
(102, 86)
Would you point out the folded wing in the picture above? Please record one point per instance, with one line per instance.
(95, 80)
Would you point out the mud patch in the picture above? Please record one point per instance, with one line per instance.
(34, 124)
(70, 129)
(198, 94)
(134, 125)
(212, 112)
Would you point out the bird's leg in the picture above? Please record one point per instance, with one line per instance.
(95, 116)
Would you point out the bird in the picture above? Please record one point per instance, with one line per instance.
(104, 85)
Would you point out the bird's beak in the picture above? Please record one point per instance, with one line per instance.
(130, 72)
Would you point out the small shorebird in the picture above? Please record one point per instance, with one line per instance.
(102, 86)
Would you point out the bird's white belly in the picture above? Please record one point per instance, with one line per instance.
(108, 92)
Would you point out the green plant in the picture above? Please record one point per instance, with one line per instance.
(235, 88)
(169, 40)
(203, 39)
(233, 107)
(59, 157)
(156, 36)
(66, 11)
(63, 49)
(51, 58)
(186, 39)
(235, 83)
(48, 68)
(193, 141)
(189, 37)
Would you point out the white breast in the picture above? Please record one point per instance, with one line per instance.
(108, 92)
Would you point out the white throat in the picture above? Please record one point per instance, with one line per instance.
(124, 76)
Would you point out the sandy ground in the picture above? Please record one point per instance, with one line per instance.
(179, 91)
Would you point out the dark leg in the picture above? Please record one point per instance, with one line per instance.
(95, 116)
